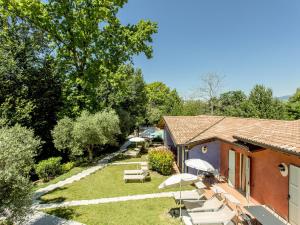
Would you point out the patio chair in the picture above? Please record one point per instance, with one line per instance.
(144, 166)
(135, 177)
(133, 172)
(209, 205)
(221, 217)
(189, 195)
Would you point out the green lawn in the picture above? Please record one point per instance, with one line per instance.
(64, 176)
(140, 212)
(140, 158)
(107, 182)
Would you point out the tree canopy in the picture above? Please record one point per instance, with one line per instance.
(293, 105)
(89, 41)
(86, 132)
(161, 101)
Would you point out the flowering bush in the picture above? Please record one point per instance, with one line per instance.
(161, 160)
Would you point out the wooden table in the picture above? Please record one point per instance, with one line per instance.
(264, 216)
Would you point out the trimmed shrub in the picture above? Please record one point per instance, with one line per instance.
(67, 166)
(48, 168)
(161, 160)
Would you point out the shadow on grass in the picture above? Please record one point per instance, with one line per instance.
(66, 213)
(53, 200)
(120, 157)
(175, 212)
(148, 179)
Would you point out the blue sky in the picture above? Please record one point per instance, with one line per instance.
(249, 42)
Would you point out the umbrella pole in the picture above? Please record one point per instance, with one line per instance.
(180, 201)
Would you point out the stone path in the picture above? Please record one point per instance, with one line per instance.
(40, 218)
(101, 164)
(105, 200)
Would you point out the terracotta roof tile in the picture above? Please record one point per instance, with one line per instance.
(280, 134)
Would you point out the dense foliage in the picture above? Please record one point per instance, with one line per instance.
(293, 105)
(162, 101)
(30, 90)
(90, 42)
(67, 166)
(48, 168)
(18, 148)
(86, 132)
(161, 160)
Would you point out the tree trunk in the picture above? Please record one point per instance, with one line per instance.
(212, 109)
(90, 152)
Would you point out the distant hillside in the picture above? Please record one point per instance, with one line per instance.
(284, 98)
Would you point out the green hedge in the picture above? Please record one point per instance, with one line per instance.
(48, 168)
(67, 166)
(161, 160)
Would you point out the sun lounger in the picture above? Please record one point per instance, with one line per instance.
(189, 195)
(220, 217)
(210, 205)
(133, 172)
(137, 177)
(144, 166)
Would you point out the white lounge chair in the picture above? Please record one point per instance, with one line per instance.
(144, 166)
(189, 195)
(210, 205)
(221, 217)
(133, 172)
(139, 177)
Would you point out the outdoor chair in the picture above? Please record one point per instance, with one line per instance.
(144, 166)
(221, 217)
(135, 177)
(134, 172)
(189, 195)
(209, 205)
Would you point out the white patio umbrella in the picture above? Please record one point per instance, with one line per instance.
(200, 164)
(179, 180)
(137, 140)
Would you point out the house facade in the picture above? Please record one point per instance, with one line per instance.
(260, 158)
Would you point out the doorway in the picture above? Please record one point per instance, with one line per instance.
(244, 178)
(231, 168)
(294, 195)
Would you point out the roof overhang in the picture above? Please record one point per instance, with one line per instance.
(267, 146)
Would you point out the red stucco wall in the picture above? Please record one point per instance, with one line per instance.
(268, 186)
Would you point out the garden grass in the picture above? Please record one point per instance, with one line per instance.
(107, 182)
(140, 158)
(64, 176)
(139, 212)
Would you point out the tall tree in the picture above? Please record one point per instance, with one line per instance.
(89, 41)
(264, 104)
(293, 105)
(30, 90)
(128, 97)
(231, 103)
(194, 108)
(211, 84)
(162, 101)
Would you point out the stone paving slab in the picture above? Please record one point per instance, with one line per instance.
(105, 200)
(40, 218)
